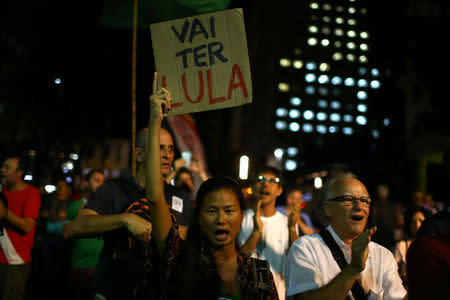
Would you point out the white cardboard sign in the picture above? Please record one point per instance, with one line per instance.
(203, 61)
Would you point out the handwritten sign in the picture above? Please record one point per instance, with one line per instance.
(203, 61)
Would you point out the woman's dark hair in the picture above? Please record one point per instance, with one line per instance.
(410, 214)
(197, 270)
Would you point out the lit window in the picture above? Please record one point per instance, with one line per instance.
(324, 67)
(336, 80)
(364, 47)
(350, 57)
(362, 108)
(362, 83)
(375, 72)
(339, 20)
(310, 90)
(361, 95)
(308, 115)
(339, 8)
(313, 29)
(362, 71)
(375, 134)
(312, 41)
(351, 33)
(294, 127)
(298, 64)
(281, 112)
(292, 151)
(307, 127)
(349, 81)
(348, 118)
(314, 5)
(291, 165)
(311, 65)
(363, 59)
(323, 79)
(375, 84)
(361, 120)
(386, 122)
(339, 32)
(322, 103)
(296, 101)
(364, 11)
(351, 10)
(294, 113)
(332, 129)
(284, 62)
(335, 117)
(278, 153)
(351, 22)
(321, 116)
(327, 6)
(337, 56)
(326, 19)
(323, 91)
(347, 130)
(335, 104)
(321, 129)
(351, 45)
(280, 125)
(310, 77)
(326, 30)
(338, 44)
(325, 42)
(364, 35)
(283, 87)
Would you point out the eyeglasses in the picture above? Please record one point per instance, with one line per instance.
(348, 200)
(261, 179)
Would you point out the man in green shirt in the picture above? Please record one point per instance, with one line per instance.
(85, 251)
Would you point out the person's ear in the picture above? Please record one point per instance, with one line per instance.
(140, 155)
(327, 209)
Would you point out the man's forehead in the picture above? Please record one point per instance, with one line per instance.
(349, 186)
(11, 162)
(165, 138)
(267, 174)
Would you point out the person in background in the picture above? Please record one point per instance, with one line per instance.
(85, 251)
(19, 216)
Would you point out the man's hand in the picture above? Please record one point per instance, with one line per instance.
(360, 251)
(294, 216)
(159, 102)
(139, 227)
(257, 223)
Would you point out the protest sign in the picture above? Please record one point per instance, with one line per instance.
(203, 61)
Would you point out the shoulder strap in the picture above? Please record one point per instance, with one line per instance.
(357, 291)
(261, 271)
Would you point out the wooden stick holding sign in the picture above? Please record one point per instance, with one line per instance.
(203, 61)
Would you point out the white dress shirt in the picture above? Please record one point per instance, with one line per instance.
(310, 265)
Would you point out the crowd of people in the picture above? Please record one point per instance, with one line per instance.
(155, 236)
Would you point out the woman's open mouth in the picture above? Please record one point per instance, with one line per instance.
(221, 235)
(357, 218)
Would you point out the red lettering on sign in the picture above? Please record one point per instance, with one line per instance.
(212, 100)
(201, 87)
(232, 86)
(164, 85)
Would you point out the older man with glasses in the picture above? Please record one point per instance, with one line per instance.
(266, 230)
(341, 262)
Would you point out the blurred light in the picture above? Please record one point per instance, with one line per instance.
(297, 51)
(362, 71)
(294, 113)
(281, 112)
(375, 84)
(296, 101)
(317, 182)
(323, 79)
(335, 117)
(57, 81)
(291, 165)
(363, 11)
(310, 90)
(351, 10)
(310, 77)
(335, 104)
(280, 125)
(348, 118)
(349, 81)
(312, 41)
(324, 67)
(386, 122)
(339, 32)
(68, 179)
(351, 33)
(364, 47)
(351, 22)
(283, 87)
(322, 103)
(363, 59)
(362, 83)
(332, 129)
(292, 151)
(314, 5)
(361, 95)
(321, 129)
(311, 66)
(327, 6)
(307, 127)
(326, 19)
(375, 134)
(326, 30)
(50, 188)
(321, 116)
(243, 167)
(32, 153)
(313, 29)
(375, 72)
(67, 165)
(338, 44)
(278, 153)
(28, 177)
(337, 56)
(362, 108)
(284, 62)
(347, 130)
(294, 127)
(298, 64)
(323, 91)
(336, 80)
(325, 42)
(361, 120)
(351, 45)
(308, 115)
(351, 57)
(364, 35)
(73, 156)
(339, 20)
(339, 8)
